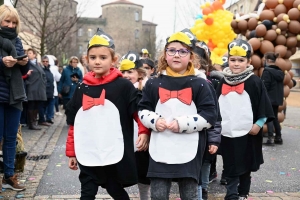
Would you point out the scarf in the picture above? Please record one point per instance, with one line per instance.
(8, 33)
(189, 71)
(234, 79)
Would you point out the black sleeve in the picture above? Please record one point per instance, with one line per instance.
(132, 96)
(214, 134)
(73, 106)
(266, 79)
(146, 103)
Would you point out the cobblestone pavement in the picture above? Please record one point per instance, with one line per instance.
(42, 143)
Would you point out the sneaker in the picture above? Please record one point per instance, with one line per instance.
(278, 140)
(213, 177)
(58, 113)
(270, 141)
(12, 183)
(204, 194)
(243, 198)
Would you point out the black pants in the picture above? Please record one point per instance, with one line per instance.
(238, 186)
(275, 123)
(89, 188)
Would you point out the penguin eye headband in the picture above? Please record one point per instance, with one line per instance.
(239, 48)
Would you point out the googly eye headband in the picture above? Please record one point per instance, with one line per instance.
(239, 48)
(129, 61)
(101, 39)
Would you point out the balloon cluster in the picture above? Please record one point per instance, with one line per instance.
(274, 28)
(213, 28)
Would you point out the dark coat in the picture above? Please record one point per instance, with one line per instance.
(36, 83)
(273, 79)
(50, 80)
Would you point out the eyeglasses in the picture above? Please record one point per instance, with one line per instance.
(45, 61)
(181, 52)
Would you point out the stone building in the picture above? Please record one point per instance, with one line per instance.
(242, 6)
(122, 20)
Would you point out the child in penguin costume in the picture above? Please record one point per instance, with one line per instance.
(244, 107)
(132, 69)
(100, 115)
(178, 107)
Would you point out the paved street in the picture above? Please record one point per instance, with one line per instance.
(50, 178)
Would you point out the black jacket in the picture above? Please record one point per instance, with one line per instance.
(273, 79)
(49, 84)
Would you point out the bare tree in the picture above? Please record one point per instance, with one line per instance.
(54, 22)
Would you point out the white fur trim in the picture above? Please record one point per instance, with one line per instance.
(200, 74)
(149, 118)
(192, 123)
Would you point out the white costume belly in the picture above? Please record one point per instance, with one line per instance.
(236, 112)
(98, 135)
(169, 147)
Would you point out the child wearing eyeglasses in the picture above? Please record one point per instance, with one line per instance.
(178, 106)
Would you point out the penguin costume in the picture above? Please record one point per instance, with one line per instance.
(100, 115)
(188, 100)
(243, 102)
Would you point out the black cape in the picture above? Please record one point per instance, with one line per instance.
(204, 101)
(123, 95)
(244, 154)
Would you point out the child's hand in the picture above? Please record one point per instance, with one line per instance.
(212, 149)
(173, 126)
(73, 163)
(254, 130)
(161, 125)
(142, 143)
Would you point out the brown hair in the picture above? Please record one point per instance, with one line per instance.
(162, 63)
(73, 58)
(112, 52)
(271, 57)
(31, 49)
(141, 72)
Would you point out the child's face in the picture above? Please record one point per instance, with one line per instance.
(100, 60)
(238, 64)
(178, 63)
(131, 75)
(148, 69)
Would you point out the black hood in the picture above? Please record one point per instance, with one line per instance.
(276, 72)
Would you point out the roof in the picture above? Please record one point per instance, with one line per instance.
(122, 2)
(148, 23)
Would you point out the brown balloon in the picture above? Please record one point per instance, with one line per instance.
(283, 25)
(280, 62)
(255, 71)
(294, 26)
(291, 84)
(256, 61)
(288, 3)
(293, 50)
(261, 30)
(288, 54)
(294, 14)
(255, 43)
(237, 31)
(267, 15)
(281, 39)
(291, 42)
(242, 25)
(288, 64)
(287, 79)
(252, 23)
(281, 50)
(280, 17)
(266, 46)
(280, 8)
(280, 117)
(274, 27)
(233, 24)
(296, 3)
(291, 74)
(260, 71)
(282, 107)
(270, 35)
(286, 91)
(271, 4)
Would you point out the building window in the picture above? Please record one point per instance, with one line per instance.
(80, 32)
(241, 8)
(80, 49)
(90, 32)
(136, 34)
(137, 16)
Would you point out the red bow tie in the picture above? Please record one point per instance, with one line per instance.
(89, 102)
(227, 88)
(185, 95)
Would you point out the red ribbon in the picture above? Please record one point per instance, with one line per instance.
(238, 88)
(185, 95)
(88, 102)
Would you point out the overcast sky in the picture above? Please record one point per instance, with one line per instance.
(169, 15)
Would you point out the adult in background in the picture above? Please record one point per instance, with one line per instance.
(273, 79)
(12, 92)
(36, 88)
(65, 83)
(49, 94)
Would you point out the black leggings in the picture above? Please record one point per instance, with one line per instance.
(89, 190)
(274, 123)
